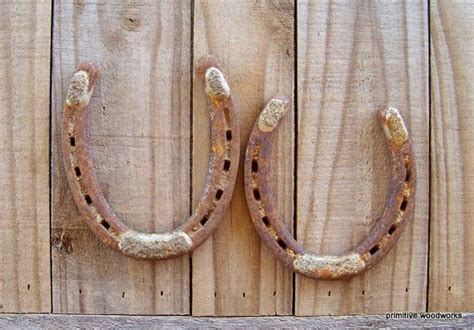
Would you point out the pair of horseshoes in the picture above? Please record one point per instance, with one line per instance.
(399, 207)
(216, 196)
(220, 182)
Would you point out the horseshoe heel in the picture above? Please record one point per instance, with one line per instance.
(399, 207)
(214, 201)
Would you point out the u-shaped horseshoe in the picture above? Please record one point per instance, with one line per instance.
(382, 237)
(214, 201)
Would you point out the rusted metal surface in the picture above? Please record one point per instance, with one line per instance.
(398, 211)
(215, 199)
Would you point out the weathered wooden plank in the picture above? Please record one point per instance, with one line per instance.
(140, 132)
(25, 34)
(452, 152)
(233, 274)
(354, 58)
(10, 321)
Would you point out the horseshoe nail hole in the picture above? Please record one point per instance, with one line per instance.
(203, 220)
(28, 287)
(404, 204)
(274, 293)
(161, 293)
(363, 292)
(374, 250)
(88, 199)
(449, 288)
(266, 221)
(228, 135)
(72, 141)
(329, 294)
(254, 166)
(219, 194)
(78, 171)
(226, 165)
(123, 294)
(105, 224)
(407, 175)
(243, 294)
(392, 229)
(215, 294)
(256, 194)
(281, 243)
(406, 289)
(80, 291)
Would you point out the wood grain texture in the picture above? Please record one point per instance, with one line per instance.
(233, 273)
(354, 58)
(24, 165)
(10, 321)
(140, 135)
(451, 286)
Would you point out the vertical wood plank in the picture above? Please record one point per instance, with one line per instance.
(140, 134)
(25, 34)
(354, 58)
(233, 273)
(451, 286)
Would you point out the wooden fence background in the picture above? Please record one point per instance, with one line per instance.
(340, 61)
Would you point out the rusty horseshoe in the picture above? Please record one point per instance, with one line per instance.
(399, 207)
(214, 201)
